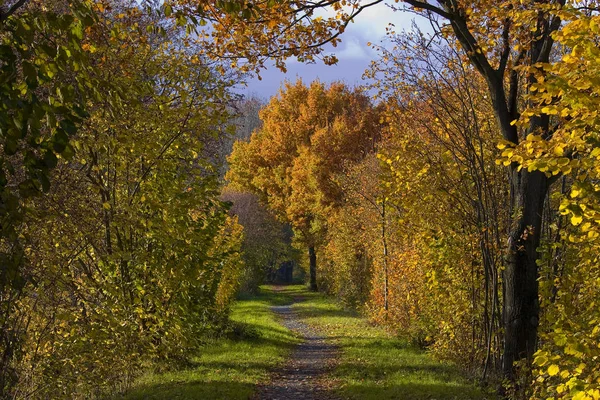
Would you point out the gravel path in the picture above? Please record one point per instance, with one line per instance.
(303, 376)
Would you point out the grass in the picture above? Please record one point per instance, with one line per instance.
(373, 364)
(227, 368)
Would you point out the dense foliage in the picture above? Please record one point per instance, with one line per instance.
(459, 209)
(473, 230)
(117, 251)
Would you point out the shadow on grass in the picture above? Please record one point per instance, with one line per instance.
(376, 365)
(413, 391)
(383, 369)
(322, 313)
(228, 366)
(191, 390)
(288, 292)
(358, 370)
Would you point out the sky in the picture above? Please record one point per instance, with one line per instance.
(353, 53)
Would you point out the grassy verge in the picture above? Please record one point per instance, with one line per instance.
(228, 368)
(375, 365)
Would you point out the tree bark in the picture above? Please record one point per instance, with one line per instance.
(312, 256)
(521, 304)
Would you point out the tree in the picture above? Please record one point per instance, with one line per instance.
(440, 112)
(564, 366)
(358, 239)
(308, 134)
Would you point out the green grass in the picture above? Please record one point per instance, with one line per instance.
(373, 364)
(376, 365)
(228, 368)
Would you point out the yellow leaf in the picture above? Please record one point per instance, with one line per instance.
(581, 396)
(553, 370)
(576, 219)
(541, 360)
(106, 205)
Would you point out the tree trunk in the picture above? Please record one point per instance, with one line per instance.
(312, 255)
(521, 304)
(385, 260)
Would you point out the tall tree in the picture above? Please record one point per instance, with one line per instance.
(45, 82)
(308, 134)
(569, 92)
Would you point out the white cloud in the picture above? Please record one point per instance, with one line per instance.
(370, 26)
(353, 53)
(372, 22)
(353, 48)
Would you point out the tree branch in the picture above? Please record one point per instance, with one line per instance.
(4, 15)
(429, 7)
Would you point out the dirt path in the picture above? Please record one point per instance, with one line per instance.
(303, 376)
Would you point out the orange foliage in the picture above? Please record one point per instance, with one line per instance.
(309, 136)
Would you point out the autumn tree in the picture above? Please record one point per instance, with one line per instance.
(359, 237)
(565, 364)
(308, 134)
(453, 147)
(44, 86)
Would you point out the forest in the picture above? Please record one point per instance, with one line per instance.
(451, 204)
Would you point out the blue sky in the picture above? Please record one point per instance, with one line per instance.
(353, 53)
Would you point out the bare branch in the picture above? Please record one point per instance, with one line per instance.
(4, 15)
(429, 7)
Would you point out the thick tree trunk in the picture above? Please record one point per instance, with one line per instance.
(312, 256)
(521, 304)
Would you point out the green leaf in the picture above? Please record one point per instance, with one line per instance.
(59, 141)
(50, 159)
(10, 146)
(45, 182)
(77, 30)
(30, 71)
(68, 126)
(68, 153)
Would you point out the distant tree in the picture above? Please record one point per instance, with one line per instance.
(248, 118)
(308, 135)
(245, 121)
